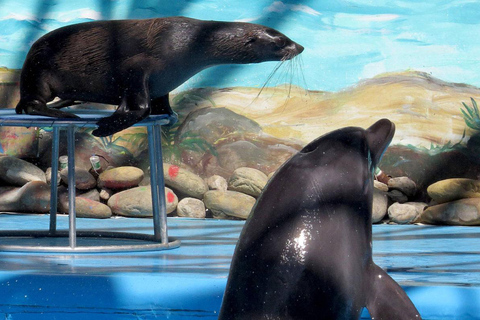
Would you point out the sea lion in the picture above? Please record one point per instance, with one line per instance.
(136, 63)
(305, 252)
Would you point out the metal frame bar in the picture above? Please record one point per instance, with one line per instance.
(54, 180)
(72, 214)
(159, 240)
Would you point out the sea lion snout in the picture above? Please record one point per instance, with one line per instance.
(299, 48)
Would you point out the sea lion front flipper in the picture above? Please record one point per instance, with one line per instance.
(134, 107)
(386, 300)
(36, 107)
(119, 121)
(161, 105)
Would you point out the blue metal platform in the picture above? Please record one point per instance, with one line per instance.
(439, 267)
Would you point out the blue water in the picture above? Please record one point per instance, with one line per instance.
(345, 40)
(439, 267)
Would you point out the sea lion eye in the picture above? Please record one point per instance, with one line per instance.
(280, 42)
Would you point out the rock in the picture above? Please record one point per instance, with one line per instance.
(464, 212)
(217, 182)
(379, 207)
(105, 194)
(91, 194)
(85, 146)
(87, 208)
(63, 197)
(48, 176)
(83, 179)
(18, 172)
(192, 208)
(33, 197)
(264, 154)
(184, 181)
(382, 177)
(405, 212)
(454, 189)
(397, 196)
(212, 124)
(380, 186)
(248, 180)
(239, 142)
(404, 184)
(229, 204)
(120, 178)
(137, 202)
(146, 179)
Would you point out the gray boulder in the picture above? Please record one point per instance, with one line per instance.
(191, 208)
(248, 180)
(18, 172)
(83, 179)
(120, 178)
(379, 207)
(403, 213)
(217, 182)
(454, 189)
(404, 184)
(463, 212)
(137, 202)
(33, 197)
(229, 204)
(184, 181)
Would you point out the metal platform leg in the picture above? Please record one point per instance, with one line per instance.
(84, 241)
(54, 181)
(72, 232)
(161, 183)
(157, 184)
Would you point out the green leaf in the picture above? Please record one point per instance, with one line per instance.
(474, 103)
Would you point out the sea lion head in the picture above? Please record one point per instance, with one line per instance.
(342, 162)
(241, 43)
(271, 45)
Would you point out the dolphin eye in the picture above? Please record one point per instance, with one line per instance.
(280, 42)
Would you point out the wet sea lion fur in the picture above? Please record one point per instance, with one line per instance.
(305, 252)
(136, 63)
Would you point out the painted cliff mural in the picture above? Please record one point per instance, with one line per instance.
(413, 62)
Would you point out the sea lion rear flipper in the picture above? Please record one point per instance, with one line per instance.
(62, 104)
(36, 107)
(386, 300)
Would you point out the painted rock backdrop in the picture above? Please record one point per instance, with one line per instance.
(362, 62)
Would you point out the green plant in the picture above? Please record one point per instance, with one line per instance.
(471, 115)
(109, 143)
(437, 149)
(172, 151)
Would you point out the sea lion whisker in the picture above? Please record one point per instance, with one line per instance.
(270, 76)
(304, 80)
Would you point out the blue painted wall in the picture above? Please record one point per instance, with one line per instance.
(345, 40)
